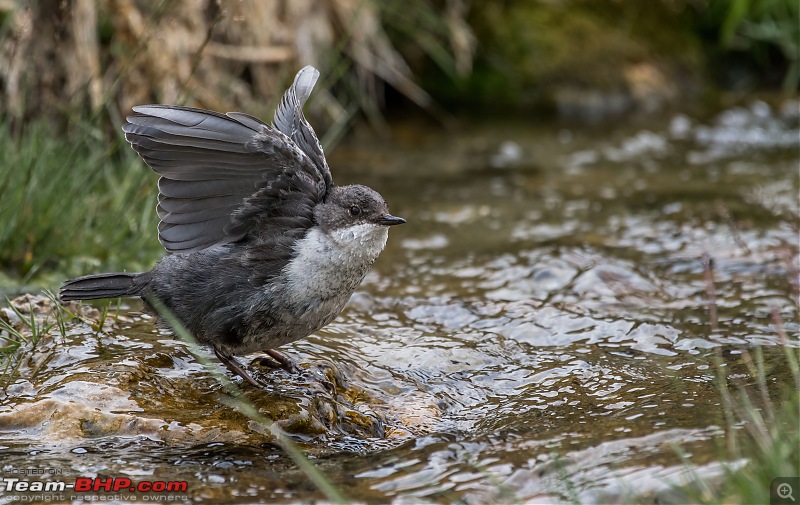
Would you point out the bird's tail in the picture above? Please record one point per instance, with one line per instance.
(92, 287)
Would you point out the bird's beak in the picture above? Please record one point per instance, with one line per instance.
(390, 220)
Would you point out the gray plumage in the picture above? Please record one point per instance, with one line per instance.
(264, 248)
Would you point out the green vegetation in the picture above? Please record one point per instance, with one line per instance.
(540, 47)
(22, 339)
(73, 203)
(764, 34)
(527, 52)
(761, 412)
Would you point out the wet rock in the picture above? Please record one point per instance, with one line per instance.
(82, 410)
(158, 391)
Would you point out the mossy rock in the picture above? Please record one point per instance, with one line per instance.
(530, 52)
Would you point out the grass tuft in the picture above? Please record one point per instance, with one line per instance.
(72, 204)
(762, 436)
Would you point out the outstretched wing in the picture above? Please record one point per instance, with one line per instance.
(227, 176)
(289, 119)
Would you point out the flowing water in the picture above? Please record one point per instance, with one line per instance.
(548, 326)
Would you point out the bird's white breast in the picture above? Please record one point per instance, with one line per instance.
(331, 265)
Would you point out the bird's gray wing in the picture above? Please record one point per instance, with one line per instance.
(290, 120)
(216, 173)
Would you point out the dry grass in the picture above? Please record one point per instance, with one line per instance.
(90, 57)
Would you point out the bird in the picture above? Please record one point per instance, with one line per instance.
(263, 249)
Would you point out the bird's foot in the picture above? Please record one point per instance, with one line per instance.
(231, 364)
(278, 360)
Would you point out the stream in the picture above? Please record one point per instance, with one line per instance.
(548, 326)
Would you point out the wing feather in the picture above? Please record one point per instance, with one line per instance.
(225, 177)
(290, 120)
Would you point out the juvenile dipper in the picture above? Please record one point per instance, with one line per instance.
(264, 248)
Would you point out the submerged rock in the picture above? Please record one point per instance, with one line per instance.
(122, 377)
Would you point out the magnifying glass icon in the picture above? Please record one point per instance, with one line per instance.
(785, 491)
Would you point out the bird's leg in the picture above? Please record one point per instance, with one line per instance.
(282, 360)
(234, 367)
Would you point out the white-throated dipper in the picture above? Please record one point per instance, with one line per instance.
(264, 248)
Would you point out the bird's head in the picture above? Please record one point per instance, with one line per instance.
(355, 207)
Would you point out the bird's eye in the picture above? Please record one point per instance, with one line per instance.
(355, 210)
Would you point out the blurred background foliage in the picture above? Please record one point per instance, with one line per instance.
(82, 58)
(71, 69)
